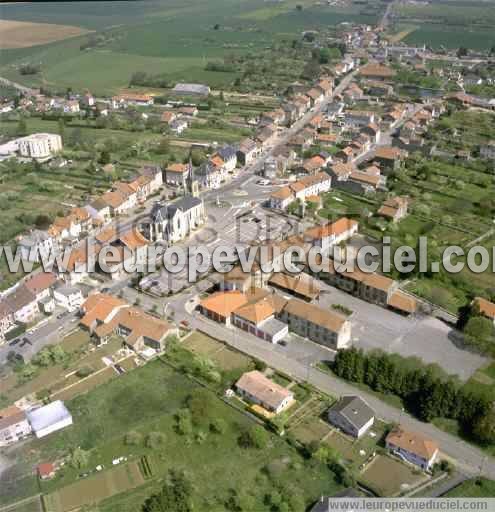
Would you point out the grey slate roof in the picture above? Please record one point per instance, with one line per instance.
(355, 410)
(167, 211)
(227, 152)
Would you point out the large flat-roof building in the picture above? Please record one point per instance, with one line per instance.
(49, 418)
(191, 89)
(40, 145)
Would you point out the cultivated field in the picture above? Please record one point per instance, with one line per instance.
(22, 34)
(388, 477)
(94, 489)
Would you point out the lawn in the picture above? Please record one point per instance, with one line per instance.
(476, 488)
(214, 463)
(386, 476)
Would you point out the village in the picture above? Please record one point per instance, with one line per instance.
(320, 168)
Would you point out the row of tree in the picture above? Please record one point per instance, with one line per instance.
(423, 391)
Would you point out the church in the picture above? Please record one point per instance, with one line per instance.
(172, 222)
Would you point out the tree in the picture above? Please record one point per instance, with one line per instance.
(42, 221)
(184, 422)
(254, 437)
(104, 157)
(218, 426)
(462, 52)
(154, 439)
(21, 127)
(61, 129)
(163, 147)
(175, 495)
(484, 427)
(79, 458)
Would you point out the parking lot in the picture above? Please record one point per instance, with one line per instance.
(426, 337)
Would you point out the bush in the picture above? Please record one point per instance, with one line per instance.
(155, 439)
(133, 438)
(83, 372)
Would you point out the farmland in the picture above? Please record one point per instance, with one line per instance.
(449, 24)
(170, 38)
(14, 33)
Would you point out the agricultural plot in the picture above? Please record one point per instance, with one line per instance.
(386, 476)
(21, 34)
(94, 489)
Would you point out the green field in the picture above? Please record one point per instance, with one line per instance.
(170, 38)
(476, 488)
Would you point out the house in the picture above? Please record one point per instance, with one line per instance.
(360, 182)
(257, 317)
(40, 284)
(14, 425)
(332, 233)
(188, 111)
(316, 96)
(266, 136)
(6, 318)
(260, 390)
(36, 245)
(247, 152)
(178, 125)
(341, 172)
(412, 447)
(228, 154)
(23, 304)
(319, 325)
(88, 100)
(80, 264)
(138, 100)
(485, 308)
(104, 315)
(359, 118)
(345, 155)
(183, 89)
(176, 174)
(49, 418)
(219, 306)
(394, 208)
(45, 471)
(377, 72)
(380, 89)
(118, 203)
(68, 297)
(99, 210)
(372, 131)
(388, 158)
(168, 116)
(211, 173)
(352, 415)
(281, 198)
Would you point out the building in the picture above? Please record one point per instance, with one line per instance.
(175, 221)
(40, 284)
(485, 308)
(219, 306)
(412, 447)
(40, 146)
(68, 297)
(394, 208)
(6, 319)
(301, 285)
(191, 89)
(49, 418)
(247, 152)
(260, 390)
(324, 327)
(178, 125)
(45, 471)
(388, 158)
(258, 318)
(377, 72)
(36, 245)
(352, 415)
(176, 174)
(332, 233)
(23, 303)
(487, 151)
(14, 425)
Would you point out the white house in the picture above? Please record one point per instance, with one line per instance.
(332, 233)
(23, 303)
(260, 390)
(49, 418)
(14, 425)
(68, 297)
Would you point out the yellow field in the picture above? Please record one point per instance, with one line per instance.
(22, 34)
